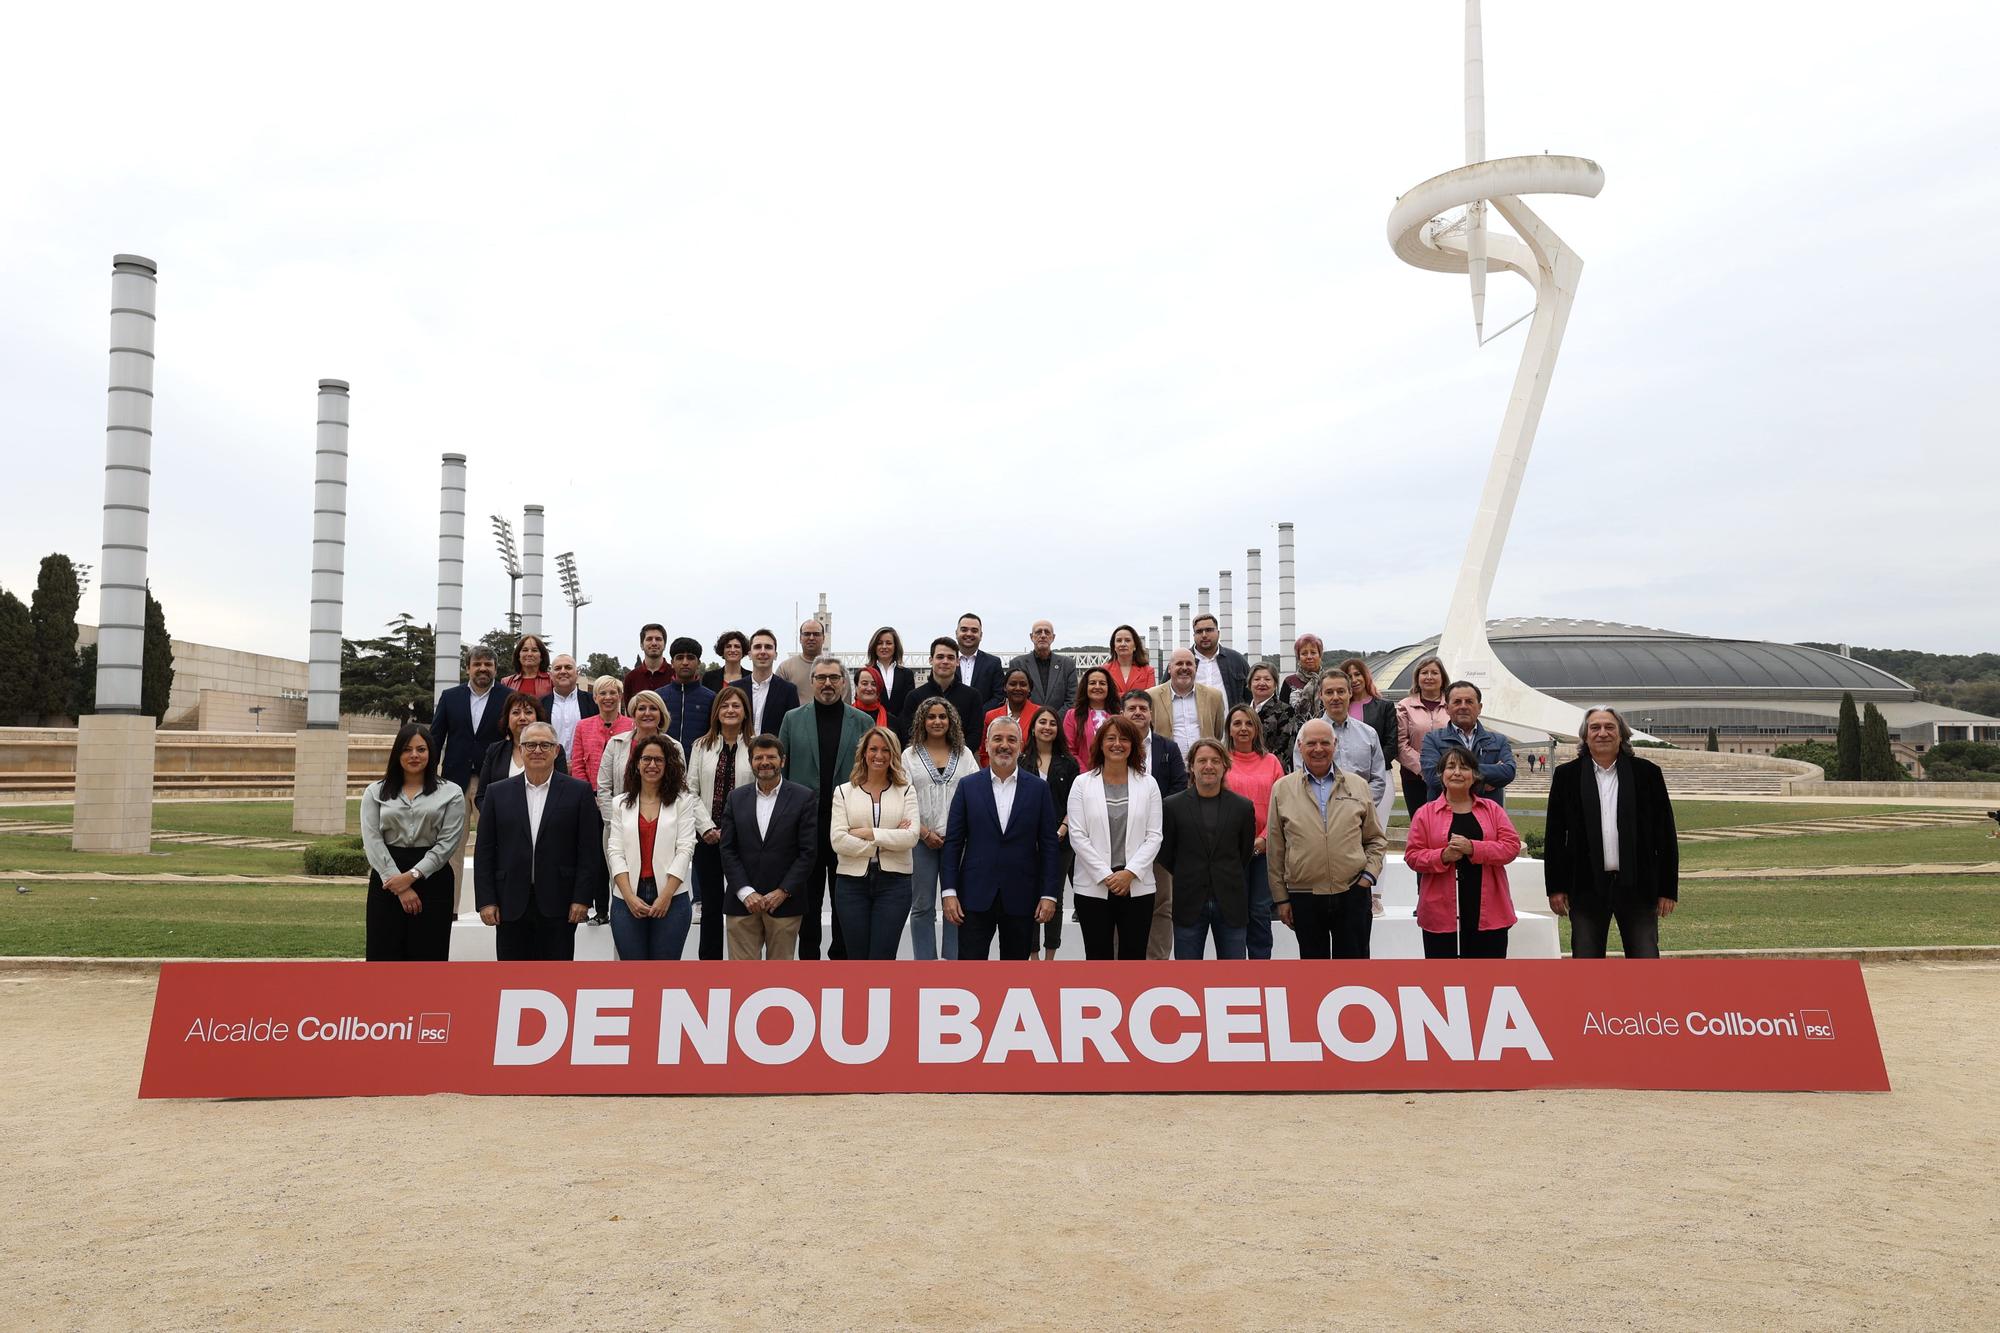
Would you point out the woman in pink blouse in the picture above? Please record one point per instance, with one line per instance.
(1096, 699)
(1253, 770)
(587, 746)
(1418, 713)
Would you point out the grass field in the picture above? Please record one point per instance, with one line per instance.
(1886, 848)
(152, 920)
(1888, 910)
(249, 819)
(35, 851)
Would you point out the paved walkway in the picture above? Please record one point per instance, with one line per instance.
(1915, 819)
(166, 835)
(1851, 872)
(161, 877)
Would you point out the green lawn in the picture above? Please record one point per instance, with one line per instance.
(1831, 913)
(1892, 847)
(250, 819)
(51, 853)
(183, 921)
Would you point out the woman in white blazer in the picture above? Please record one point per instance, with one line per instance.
(718, 764)
(937, 760)
(1114, 830)
(874, 824)
(648, 846)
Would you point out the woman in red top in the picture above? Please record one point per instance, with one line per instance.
(1017, 706)
(648, 848)
(1459, 846)
(1127, 666)
(1096, 699)
(1253, 771)
(531, 668)
(869, 694)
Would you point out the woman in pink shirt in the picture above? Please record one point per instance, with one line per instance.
(1096, 699)
(1418, 713)
(1459, 846)
(592, 734)
(1253, 770)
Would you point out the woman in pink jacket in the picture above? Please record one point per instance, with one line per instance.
(1418, 713)
(593, 733)
(1096, 699)
(1459, 846)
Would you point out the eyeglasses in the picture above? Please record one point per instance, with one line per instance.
(826, 680)
(538, 745)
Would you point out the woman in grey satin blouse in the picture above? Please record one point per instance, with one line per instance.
(411, 823)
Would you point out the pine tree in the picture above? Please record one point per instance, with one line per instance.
(156, 672)
(1848, 741)
(52, 620)
(17, 660)
(1714, 742)
(1878, 760)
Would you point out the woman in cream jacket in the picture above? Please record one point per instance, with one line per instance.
(1114, 830)
(874, 823)
(724, 750)
(648, 846)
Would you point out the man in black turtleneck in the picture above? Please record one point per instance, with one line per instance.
(819, 742)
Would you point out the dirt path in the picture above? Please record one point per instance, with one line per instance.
(1514, 1210)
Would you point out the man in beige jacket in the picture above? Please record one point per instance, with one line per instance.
(1325, 849)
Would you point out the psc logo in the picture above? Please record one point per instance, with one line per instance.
(1816, 1024)
(433, 1029)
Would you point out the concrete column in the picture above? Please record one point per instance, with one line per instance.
(1152, 644)
(1201, 601)
(319, 773)
(1228, 615)
(1166, 645)
(825, 619)
(1186, 632)
(531, 573)
(114, 745)
(1288, 618)
(451, 574)
(1255, 574)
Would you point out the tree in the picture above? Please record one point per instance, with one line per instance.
(500, 641)
(1963, 761)
(83, 696)
(603, 664)
(156, 672)
(390, 675)
(17, 658)
(1848, 741)
(1714, 742)
(52, 622)
(1878, 761)
(1812, 752)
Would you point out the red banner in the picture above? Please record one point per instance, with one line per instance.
(395, 1029)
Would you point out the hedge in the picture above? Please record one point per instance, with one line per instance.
(337, 856)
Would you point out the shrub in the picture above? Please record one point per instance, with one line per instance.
(1533, 842)
(336, 856)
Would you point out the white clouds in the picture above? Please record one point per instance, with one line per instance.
(1054, 314)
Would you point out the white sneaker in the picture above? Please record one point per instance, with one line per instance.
(697, 914)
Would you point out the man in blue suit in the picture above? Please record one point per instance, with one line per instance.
(1001, 865)
(469, 717)
(540, 858)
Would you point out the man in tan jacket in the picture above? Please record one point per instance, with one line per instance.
(1183, 711)
(1325, 850)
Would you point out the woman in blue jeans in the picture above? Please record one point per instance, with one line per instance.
(649, 845)
(936, 762)
(875, 823)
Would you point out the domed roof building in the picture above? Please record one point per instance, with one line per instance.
(1676, 686)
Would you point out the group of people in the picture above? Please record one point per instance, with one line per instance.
(1172, 815)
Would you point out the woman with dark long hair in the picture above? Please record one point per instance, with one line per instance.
(1460, 845)
(531, 668)
(649, 845)
(885, 657)
(1043, 753)
(1128, 666)
(1096, 700)
(1114, 826)
(718, 764)
(411, 823)
(1366, 705)
(936, 761)
(1253, 771)
(1419, 713)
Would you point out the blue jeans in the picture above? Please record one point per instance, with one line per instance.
(926, 862)
(871, 909)
(657, 938)
(1259, 930)
(1192, 941)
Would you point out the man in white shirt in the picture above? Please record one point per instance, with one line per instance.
(1611, 847)
(1221, 668)
(770, 850)
(771, 695)
(1184, 711)
(567, 705)
(540, 856)
(998, 869)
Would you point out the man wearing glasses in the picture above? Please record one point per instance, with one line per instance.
(540, 856)
(820, 739)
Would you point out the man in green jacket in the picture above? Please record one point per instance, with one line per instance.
(820, 739)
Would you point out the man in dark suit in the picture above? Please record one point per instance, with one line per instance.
(820, 739)
(1208, 835)
(770, 847)
(1051, 675)
(771, 695)
(1000, 870)
(540, 857)
(945, 684)
(985, 673)
(1217, 665)
(1169, 772)
(469, 717)
(1611, 850)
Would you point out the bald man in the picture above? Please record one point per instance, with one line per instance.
(1051, 675)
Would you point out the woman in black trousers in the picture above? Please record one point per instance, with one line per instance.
(1047, 756)
(411, 823)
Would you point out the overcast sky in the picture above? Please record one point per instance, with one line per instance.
(1045, 310)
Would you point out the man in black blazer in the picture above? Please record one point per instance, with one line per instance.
(1168, 771)
(770, 845)
(1626, 867)
(1051, 675)
(771, 695)
(944, 683)
(540, 858)
(1000, 866)
(1208, 835)
(1217, 665)
(985, 673)
(469, 717)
